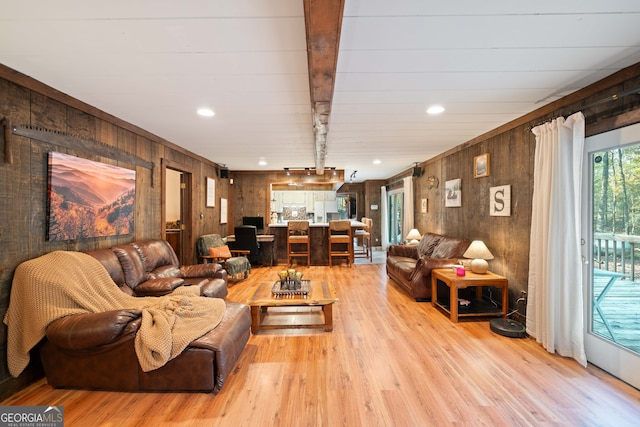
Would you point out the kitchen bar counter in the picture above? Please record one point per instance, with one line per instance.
(354, 225)
(318, 233)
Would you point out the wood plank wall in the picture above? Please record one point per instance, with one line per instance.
(511, 163)
(372, 199)
(23, 183)
(251, 193)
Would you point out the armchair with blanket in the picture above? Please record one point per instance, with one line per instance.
(212, 247)
(410, 266)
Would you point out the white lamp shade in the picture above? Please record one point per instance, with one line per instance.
(479, 252)
(413, 237)
(477, 249)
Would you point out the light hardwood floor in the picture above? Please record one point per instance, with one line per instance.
(389, 361)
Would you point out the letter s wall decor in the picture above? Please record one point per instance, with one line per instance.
(500, 201)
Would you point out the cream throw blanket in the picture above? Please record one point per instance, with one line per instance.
(63, 283)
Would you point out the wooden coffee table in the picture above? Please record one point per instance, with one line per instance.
(322, 294)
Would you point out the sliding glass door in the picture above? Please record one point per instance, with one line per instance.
(611, 218)
(396, 214)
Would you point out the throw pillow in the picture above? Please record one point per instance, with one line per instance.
(220, 252)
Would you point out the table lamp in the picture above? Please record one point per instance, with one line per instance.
(479, 252)
(413, 237)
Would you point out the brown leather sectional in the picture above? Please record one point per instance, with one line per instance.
(96, 350)
(410, 266)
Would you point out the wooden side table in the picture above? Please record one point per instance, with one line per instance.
(477, 307)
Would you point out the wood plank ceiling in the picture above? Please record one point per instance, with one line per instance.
(318, 83)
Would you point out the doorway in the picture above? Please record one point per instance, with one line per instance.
(174, 222)
(347, 205)
(177, 218)
(611, 218)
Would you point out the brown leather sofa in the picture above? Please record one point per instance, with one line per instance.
(410, 266)
(151, 268)
(96, 350)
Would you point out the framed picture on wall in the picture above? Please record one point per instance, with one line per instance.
(211, 192)
(223, 210)
(424, 205)
(453, 193)
(481, 165)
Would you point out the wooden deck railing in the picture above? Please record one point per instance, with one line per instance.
(617, 253)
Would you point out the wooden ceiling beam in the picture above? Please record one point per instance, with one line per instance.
(323, 22)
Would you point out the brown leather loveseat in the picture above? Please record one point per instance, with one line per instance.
(97, 350)
(410, 266)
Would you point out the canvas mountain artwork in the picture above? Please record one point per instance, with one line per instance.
(89, 199)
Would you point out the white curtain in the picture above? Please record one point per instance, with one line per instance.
(407, 207)
(384, 220)
(555, 300)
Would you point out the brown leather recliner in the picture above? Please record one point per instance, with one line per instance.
(151, 268)
(411, 266)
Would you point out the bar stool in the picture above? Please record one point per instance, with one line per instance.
(298, 236)
(364, 235)
(340, 241)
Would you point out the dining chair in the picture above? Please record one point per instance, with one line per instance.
(246, 238)
(340, 242)
(298, 241)
(364, 237)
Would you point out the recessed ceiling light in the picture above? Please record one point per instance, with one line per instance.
(435, 109)
(377, 161)
(206, 112)
(262, 163)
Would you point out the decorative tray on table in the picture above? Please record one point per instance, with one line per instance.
(289, 288)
